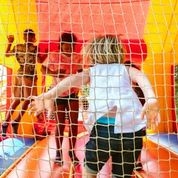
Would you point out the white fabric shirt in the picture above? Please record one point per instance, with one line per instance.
(110, 86)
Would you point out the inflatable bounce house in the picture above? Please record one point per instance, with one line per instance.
(149, 31)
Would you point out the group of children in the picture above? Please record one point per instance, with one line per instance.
(116, 118)
(57, 64)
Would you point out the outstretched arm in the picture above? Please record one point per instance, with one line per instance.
(8, 51)
(46, 100)
(76, 80)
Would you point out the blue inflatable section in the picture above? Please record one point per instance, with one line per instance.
(11, 149)
(168, 141)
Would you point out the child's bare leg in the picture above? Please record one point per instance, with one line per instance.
(23, 109)
(59, 135)
(27, 91)
(17, 93)
(11, 110)
(73, 129)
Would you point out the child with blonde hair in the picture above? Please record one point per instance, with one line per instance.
(116, 118)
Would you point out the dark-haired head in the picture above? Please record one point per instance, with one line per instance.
(29, 31)
(68, 37)
(67, 43)
(29, 36)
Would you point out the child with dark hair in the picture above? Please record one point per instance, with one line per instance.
(59, 65)
(26, 79)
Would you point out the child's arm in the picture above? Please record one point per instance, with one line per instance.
(45, 100)
(151, 106)
(143, 82)
(8, 51)
(76, 80)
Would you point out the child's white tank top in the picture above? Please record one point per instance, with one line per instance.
(110, 86)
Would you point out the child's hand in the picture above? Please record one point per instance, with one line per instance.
(10, 38)
(38, 105)
(151, 111)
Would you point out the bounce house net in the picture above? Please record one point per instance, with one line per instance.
(148, 31)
